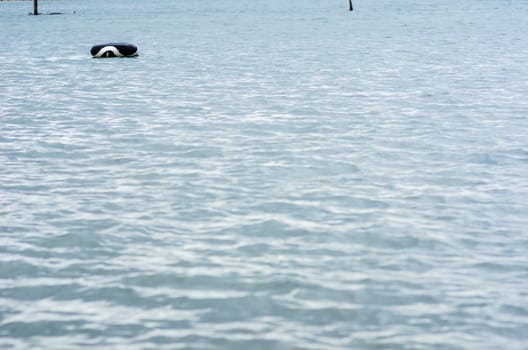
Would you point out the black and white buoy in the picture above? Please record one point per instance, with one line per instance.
(114, 50)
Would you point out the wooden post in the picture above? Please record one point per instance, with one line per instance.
(349, 3)
(35, 7)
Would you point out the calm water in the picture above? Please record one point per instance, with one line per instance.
(265, 175)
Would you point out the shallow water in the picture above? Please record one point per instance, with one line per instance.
(265, 175)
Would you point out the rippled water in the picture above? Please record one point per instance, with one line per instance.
(265, 175)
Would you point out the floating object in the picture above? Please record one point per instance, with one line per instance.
(47, 13)
(114, 50)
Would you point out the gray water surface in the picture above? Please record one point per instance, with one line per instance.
(264, 175)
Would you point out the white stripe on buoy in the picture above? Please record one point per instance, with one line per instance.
(105, 50)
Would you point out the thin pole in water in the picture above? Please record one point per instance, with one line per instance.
(35, 7)
(349, 3)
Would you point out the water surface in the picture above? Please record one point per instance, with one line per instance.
(265, 175)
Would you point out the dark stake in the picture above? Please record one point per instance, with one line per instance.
(349, 3)
(35, 7)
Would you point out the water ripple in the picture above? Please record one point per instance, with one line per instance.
(264, 176)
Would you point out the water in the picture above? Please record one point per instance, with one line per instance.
(265, 175)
